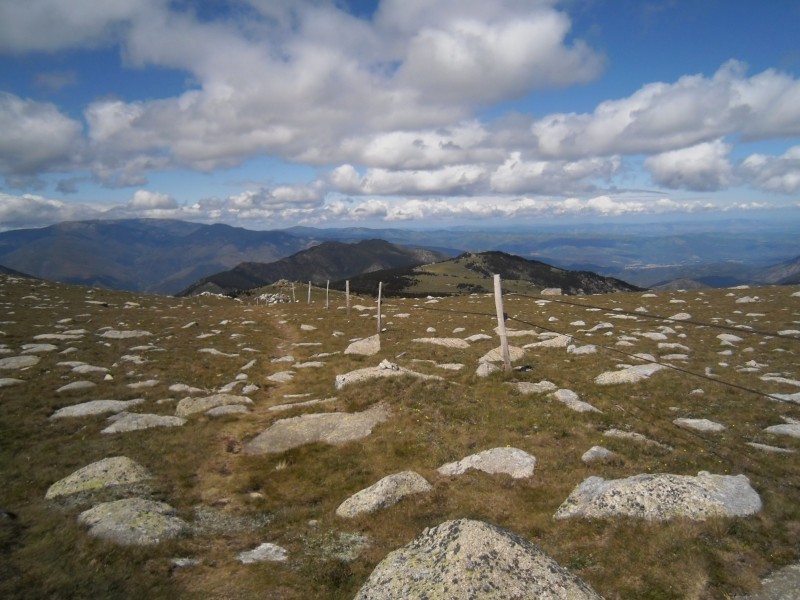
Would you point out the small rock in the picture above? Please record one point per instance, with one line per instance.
(264, 552)
(117, 471)
(133, 522)
(135, 421)
(700, 425)
(597, 454)
(512, 461)
(386, 492)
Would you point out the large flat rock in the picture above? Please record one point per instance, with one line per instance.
(330, 428)
(511, 461)
(189, 405)
(95, 407)
(663, 496)
(118, 472)
(386, 492)
(133, 522)
(471, 559)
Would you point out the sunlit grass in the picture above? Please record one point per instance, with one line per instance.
(295, 493)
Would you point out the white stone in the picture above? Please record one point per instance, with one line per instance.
(511, 461)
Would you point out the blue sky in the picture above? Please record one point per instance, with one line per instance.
(402, 113)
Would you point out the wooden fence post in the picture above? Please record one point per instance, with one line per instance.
(293, 296)
(347, 296)
(501, 323)
(327, 294)
(380, 289)
(309, 293)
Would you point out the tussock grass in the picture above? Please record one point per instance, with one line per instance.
(290, 498)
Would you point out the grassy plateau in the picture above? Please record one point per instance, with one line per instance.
(238, 501)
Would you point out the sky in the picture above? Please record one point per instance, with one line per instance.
(267, 114)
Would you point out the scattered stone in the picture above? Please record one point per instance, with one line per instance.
(450, 366)
(478, 337)
(558, 341)
(115, 334)
(287, 358)
(331, 428)
(182, 388)
(19, 362)
(383, 494)
(148, 383)
(485, 369)
(700, 425)
(446, 342)
(95, 407)
(281, 407)
(790, 429)
(582, 350)
(573, 401)
(636, 437)
(281, 376)
(38, 348)
(526, 387)
(598, 454)
(384, 369)
(680, 317)
(133, 522)
(87, 369)
(189, 406)
(215, 352)
(767, 448)
(313, 364)
(369, 346)
(307, 328)
(136, 421)
(496, 355)
(262, 553)
(471, 559)
(77, 386)
(662, 497)
(116, 472)
(512, 461)
(631, 374)
(228, 409)
(9, 381)
(728, 339)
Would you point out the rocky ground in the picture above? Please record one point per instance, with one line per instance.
(239, 450)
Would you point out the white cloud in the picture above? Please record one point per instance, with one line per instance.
(774, 173)
(516, 175)
(704, 167)
(447, 180)
(29, 210)
(146, 200)
(36, 137)
(50, 25)
(661, 117)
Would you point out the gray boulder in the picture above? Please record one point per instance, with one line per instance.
(369, 346)
(133, 522)
(386, 492)
(331, 428)
(189, 406)
(663, 496)
(471, 559)
(135, 421)
(512, 461)
(19, 362)
(95, 407)
(261, 553)
(118, 472)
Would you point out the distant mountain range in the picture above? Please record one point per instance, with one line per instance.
(329, 261)
(169, 256)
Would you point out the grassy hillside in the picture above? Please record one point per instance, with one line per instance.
(473, 273)
(236, 501)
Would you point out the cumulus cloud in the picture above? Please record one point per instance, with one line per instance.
(36, 137)
(50, 25)
(661, 117)
(146, 200)
(703, 167)
(773, 173)
(447, 180)
(29, 210)
(517, 175)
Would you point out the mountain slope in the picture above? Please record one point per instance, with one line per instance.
(150, 255)
(470, 273)
(326, 262)
(785, 273)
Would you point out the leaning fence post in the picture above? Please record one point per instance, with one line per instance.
(327, 294)
(380, 289)
(347, 295)
(309, 293)
(501, 323)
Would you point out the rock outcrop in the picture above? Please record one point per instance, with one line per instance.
(471, 559)
(662, 496)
